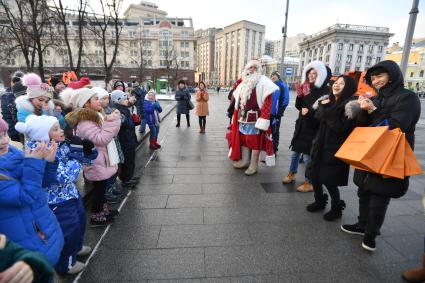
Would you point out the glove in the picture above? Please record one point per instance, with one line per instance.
(82, 150)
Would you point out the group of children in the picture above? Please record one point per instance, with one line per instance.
(89, 130)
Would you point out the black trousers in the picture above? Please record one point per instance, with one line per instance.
(187, 119)
(333, 192)
(98, 196)
(372, 210)
(126, 169)
(275, 131)
(202, 121)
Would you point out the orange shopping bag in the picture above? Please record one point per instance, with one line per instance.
(367, 148)
(411, 164)
(393, 166)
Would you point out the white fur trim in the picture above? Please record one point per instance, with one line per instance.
(316, 104)
(264, 88)
(352, 109)
(23, 102)
(320, 68)
(262, 124)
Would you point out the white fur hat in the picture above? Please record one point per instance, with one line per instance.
(37, 128)
(255, 63)
(84, 95)
(68, 97)
(101, 92)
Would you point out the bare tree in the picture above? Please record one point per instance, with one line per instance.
(142, 57)
(100, 25)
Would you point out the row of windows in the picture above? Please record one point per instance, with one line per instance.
(340, 47)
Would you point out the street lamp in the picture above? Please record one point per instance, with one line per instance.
(284, 30)
(409, 35)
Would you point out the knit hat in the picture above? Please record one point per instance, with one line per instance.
(54, 81)
(275, 73)
(118, 95)
(37, 128)
(119, 83)
(35, 87)
(3, 126)
(19, 89)
(83, 82)
(17, 76)
(84, 95)
(101, 92)
(69, 97)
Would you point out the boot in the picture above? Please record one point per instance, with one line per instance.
(335, 212)
(156, 143)
(252, 169)
(416, 274)
(244, 162)
(318, 204)
(306, 187)
(203, 130)
(152, 144)
(289, 178)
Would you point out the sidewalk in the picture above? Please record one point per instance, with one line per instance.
(193, 218)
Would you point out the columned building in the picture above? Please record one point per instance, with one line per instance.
(345, 47)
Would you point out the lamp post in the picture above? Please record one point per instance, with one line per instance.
(409, 35)
(284, 30)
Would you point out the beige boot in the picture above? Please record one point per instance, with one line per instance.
(416, 274)
(244, 162)
(252, 169)
(306, 187)
(289, 178)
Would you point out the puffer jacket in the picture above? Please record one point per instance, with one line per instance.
(183, 97)
(25, 108)
(8, 110)
(88, 124)
(25, 217)
(152, 110)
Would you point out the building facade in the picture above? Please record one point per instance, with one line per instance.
(235, 45)
(205, 46)
(149, 41)
(345, 47)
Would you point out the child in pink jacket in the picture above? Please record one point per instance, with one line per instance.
(89, 124)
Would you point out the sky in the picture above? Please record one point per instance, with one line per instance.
(305, 16)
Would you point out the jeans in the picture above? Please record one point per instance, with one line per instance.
(295, 159)
(142, 128)
(154, 131)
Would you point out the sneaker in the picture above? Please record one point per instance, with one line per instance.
(369, 243)
(77, 268)
(289, 178)
(85, 251)
(353, 229)
(306, 187)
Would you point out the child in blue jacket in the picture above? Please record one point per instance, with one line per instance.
(152, 109)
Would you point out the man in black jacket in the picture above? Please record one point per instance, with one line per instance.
(399, 108)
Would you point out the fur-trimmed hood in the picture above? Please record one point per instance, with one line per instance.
(24, 103)
(322, 73)
(82, 114)
(351, 108)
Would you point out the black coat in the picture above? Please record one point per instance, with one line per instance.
(402, 109)
(334, 128)
(127, 134)
(183, 97)
(8, 110)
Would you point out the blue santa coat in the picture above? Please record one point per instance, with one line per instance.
(25, 215)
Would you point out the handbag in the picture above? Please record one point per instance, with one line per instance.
(190, 105)
(136, 119)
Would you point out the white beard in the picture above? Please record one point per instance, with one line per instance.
(249, 82)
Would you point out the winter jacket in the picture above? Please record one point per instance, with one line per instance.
(202, 103)
(88, 124)
(280, 99)
(12, 253)
(25, 108)
(8, 110)
(152, 110)
(127, 134)
(336, 123)
(402, 109)
(140, 94)
(25, 217)
(183, 97)
(306, 126)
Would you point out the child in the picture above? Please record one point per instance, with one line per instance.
(127, 137)
(152, 109)
(89, 124)
(25, 217)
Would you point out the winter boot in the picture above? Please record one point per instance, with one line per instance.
(306, 187)
(110, 196)
(109, 213)
(253, 165)
(289, 178)
(152, 144)
(318, 204)
(76, 268)
(416, 274)
(99, 219)
(85, 251)
(244, 162)
(156, 143)
(335, 212)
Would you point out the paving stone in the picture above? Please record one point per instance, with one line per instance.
(410, 246)
(138, 238)
(147, 201)
(168, 189)
(231, 188)
(162, 217)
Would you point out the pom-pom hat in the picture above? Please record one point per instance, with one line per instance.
(37, 128)
(35, 87)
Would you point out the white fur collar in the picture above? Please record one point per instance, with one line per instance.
(320, 68)
(263, 89)
(24, 103)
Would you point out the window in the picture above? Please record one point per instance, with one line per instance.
(378, 59)
(10, 61)
(361, 48)
(133, 62)
(368, 60)
(338, 57)
(411, 74)
(134, 53)
(421, 73)
(184, 44)
(133, 43)
(380, 48)
(370, 48)
(98, 62)
(351, 47)
(329, 47)
(47, 52)
(340, 45)
(132, 34)
(185, 33)
(146, 33)
(147, 44)
(359, 59)
(187, 64)
(349, 57)
(327, 58)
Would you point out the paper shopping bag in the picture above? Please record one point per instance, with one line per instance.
(411, 164)
(393, 166)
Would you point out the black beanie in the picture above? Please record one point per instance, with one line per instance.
(19, 89)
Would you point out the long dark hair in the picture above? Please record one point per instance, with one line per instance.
(205, 87)
(348, 91)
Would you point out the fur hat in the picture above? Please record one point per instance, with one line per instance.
(83, 82)
(35, 87)
(69, 97)
(254, 63)
(4, 127)
(322, 73)
(37, 128)
(101, 92)
(118, 95)
(84, 95)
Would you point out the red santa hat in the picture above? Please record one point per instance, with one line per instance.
(83, 82)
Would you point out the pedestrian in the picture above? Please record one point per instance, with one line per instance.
(37, 101)
(140, 92)
(152, 108)
(280, 102)
(202, 106)
(183, 102)
(58, 112)
(336, 113)
(250, 129)
(315, 84)
(401, 108)
(127, 138)
(89, 124)
(58, 85)
(8, 105)
(25, 216)
(21, 265)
